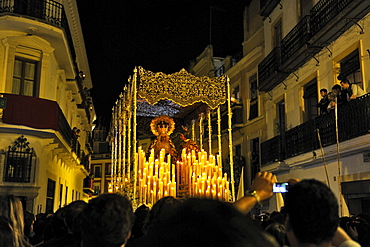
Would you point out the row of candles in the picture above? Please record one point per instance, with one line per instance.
(156, 177)
(197, 172)
(203, 176)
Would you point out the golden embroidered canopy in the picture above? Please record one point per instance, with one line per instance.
(181, 88)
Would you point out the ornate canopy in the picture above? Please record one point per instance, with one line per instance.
(181, 88)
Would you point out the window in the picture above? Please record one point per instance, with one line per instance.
(50, 193)
(310, 100)
(280, 115)
(253, 108)
(255, 157)
(96, 188)
(350, 68)
(108, 169)
(238, 166)
(278, 33)
(66, 198)
(61, 196)
(97, 171)
(24, 77)
(18, 162)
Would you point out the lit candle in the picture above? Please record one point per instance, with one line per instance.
(169, 159)
(160, 189)
(156, 162)
(178, 172)
(155, 191)
(172, 192)
(145, 193)
(173, 170)
(140, 187)
(152, 197)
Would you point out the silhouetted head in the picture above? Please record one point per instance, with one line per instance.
(205, 222)
(312, 212)
(107, 221)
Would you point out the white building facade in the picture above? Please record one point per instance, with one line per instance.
(44, 85)
(307, 45)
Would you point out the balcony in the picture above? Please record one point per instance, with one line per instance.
(267, 6)
(295, 50)
(327, 21)
(271, 150)
(47, 11)
(331, 18)
(269, 72)
(353, 121)
(39, 114)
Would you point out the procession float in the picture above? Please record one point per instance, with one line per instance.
(166, 138)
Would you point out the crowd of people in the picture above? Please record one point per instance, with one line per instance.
(341, 94)
(310, 217)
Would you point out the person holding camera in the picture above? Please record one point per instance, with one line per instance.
(311, 211)
(261, 189)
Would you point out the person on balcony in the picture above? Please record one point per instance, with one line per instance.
(340, 97)
(324, 102)
(352, 91)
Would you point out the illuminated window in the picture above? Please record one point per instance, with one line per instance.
(24, 77)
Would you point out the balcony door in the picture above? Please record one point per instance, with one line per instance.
(350, 68)
(310, 100)
(253, 109)
(255, 157)
(25, 77)
(278, 33)
(280, 115)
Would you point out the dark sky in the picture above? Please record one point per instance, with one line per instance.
(159, 35)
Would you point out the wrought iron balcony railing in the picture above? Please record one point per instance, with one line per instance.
(269, 72)
(353, 121)
(271, 150)
(267, 6)
(327, 21)
(331, 18)
(48, 11)
(295, 50)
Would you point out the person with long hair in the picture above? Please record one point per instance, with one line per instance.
(11, 208)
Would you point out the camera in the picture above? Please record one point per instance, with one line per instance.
(281, 187)
(353, 223)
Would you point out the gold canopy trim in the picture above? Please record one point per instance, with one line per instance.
(182, 88)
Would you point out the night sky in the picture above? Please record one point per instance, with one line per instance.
(159, 35)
